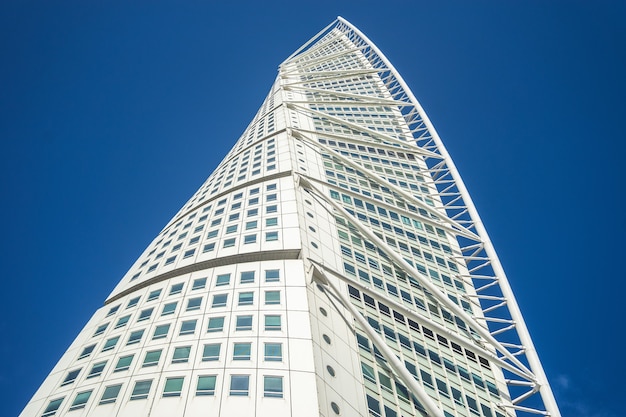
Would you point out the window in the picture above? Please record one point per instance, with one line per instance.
(135, 337)
(244, 323)
(272, 221)
(199, 284)
(231, 229)
(110, 344)
(145, 314)
(272, 275)
(246, 298)
(249, 239)
(211, 352)
(219, 300)
(241, 351)
(110, 394)
(194, 304)
(97, 369)
(239, 385)
(80, 400)
(173, 387)
(251, 225)
(273, 352)
(113, 310)
(229, 243)
(122, 322)
(271, 236)
(206, 385)
(272, 322)
(161, 331)
(71, 377)
(176, 289)
(169, 308)
(123, 363)
(52, 407)
(223, 279)
(100, 329)
(133, 302)
(272, 297)
(141, 390)
(152, 358)
(216, 324)
(253, 212)
(271, 209)
(209, 247)
(247, 277)
(154, 295)
(189, 253)
(273, 386)
(187, 327)
(181, 354)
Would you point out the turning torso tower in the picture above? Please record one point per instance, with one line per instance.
(332, 265)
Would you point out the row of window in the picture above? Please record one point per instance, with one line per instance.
(173, 387)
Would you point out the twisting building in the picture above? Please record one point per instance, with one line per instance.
(333, 264)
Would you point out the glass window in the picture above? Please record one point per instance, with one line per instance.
(273, 352)
(246, 298)
(187, 327)
(145, 314)
(100, 329)
(52, 407)
(113, 310)
(231, 229)
(141, 390)
(97, 369)
(219, 300)
(241, 351)
(199, 284)
(152, 358)
(110, 344)
(176, 289)
(223, 279)
(239, 385)
(173, 387)
(133, 302)
(181, 354)
(271, 236)
(272, 297)
(273, 386)
(251, 225)
(272, 221)
(194, 304)
(249, 239)
(272, 275)
(154, 295)
(271, 209)
(161, 331)
(229, 243)
(71, 377)
(244, 323)
(216, 324)
(247, 277)
(135, 337)
(211, 352)
(272, 322)
(122, 321)
(206, 385)
(123, 363)
(80, 400)
(110, 394)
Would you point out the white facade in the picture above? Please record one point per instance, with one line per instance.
(333, 264)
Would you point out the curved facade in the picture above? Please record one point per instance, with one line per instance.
(333, 264)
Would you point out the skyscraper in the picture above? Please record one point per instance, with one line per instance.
(333, 264)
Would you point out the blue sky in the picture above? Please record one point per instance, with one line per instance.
(113, 113)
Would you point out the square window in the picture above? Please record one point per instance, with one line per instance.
(52, 407)
(189, 253)
(231, 229)
(272, 297)
(246, 277)
(223, 279)
(271, 236)
(206, 385)
(176, 289)
(251, 225)
(216, 324)
(271, 187)
(272, 221)
(239, 385)
(229, 243)
(272, 322)
(135, 337)
(110, 343)
(187, 327)
(249, 239)
(211, 352)
(241, 351)
(170, 260)
(253, 212)
(145, 314)
(208, 247)
(173, 387)
(272, 275)
(246, 298)
(110, 394)
(194, 303)
(133, 302)
(219, 300)
(271, 209)
(80, 400)
(212, 234)
(169, 308)
(100, 329)
(152, 358)
(71, 377)
(273, 352)
(244, 323)
(123, 363)
(141, 390)
(113, 310)
(270, 197)
(199, 283)
(161, 331)
(235, 216)
(273, 386)
(154, 295)
(181, 354)
(96, 369)
(253, 201)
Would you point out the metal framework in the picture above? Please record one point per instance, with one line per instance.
(500, 328)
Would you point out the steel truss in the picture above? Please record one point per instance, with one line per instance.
(501, 325)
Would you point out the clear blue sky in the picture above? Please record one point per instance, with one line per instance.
(113, 113)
